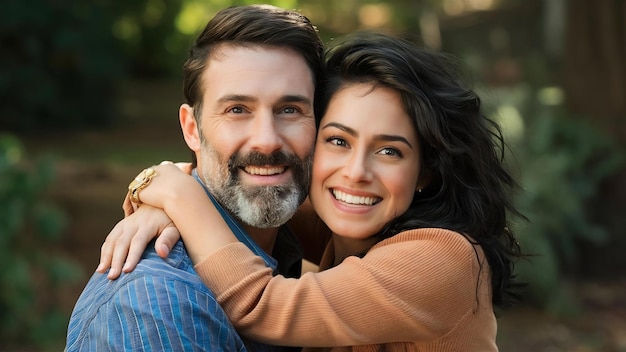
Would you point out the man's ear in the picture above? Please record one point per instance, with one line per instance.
(189, 127)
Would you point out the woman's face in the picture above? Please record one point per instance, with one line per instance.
(366, 161)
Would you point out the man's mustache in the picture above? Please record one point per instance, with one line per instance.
(261, 159)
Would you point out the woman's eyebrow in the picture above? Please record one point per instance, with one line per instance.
(382, 137)
(344, 128)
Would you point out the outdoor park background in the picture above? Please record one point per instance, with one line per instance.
(89, 93)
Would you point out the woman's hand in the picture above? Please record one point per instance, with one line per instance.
(184, 200)
(123, 247)
(127, 241)
(168, 185)
(130, 207)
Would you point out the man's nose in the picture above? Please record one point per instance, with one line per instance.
(265, 134)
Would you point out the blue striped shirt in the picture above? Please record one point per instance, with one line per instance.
(163, 305)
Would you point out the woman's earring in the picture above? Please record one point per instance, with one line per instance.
(419, 190)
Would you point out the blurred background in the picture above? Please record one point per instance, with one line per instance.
(89, 94)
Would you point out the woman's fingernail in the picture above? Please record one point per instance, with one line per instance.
(112, 273)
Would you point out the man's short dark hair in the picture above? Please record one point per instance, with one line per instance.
(252, 25)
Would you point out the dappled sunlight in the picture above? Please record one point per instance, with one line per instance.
(153, 12)
(375, 15)
(431, 31)
(12, 150)
(13, 155)
(192, 17)
(551, 96)
(126, 28)
(480, 5)
(285, 4)
(453, 7)
(511, 122)
(460, 7)
(194, 14)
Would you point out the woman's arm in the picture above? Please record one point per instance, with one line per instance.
(414, 287)
(124, 245)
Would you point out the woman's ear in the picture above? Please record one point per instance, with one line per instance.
(423, 181)
(190, 127)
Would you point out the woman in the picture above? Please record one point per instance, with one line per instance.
(407, 176)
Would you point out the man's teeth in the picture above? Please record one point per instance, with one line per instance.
(350, 199)
(264, 171)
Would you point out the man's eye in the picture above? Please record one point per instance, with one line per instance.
(236, 110)
(290, 110)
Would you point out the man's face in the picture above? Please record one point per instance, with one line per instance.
(257, 132)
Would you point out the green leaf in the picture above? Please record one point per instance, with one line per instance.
(49, 221)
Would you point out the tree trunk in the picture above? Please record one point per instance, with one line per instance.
(595, 62)
(594, 81)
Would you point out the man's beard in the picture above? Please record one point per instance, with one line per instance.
(257, 206)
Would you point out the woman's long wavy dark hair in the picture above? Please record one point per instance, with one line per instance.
(468, 188)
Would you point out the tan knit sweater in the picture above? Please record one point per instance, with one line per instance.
(421, 290)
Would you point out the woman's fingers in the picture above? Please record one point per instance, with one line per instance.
(140, 239)
(106, 250)
(126, 243)
(166, 241)
(121, 247)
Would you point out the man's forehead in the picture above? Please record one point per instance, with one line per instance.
(224, 50)
(256, 70)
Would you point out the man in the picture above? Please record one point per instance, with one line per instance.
(249, 85)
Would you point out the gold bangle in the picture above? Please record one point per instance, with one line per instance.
(140, 182)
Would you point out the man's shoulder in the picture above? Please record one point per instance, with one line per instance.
(164, 292)
(153, 277)
(176, 268)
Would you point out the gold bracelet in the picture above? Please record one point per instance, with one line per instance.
(140, 182)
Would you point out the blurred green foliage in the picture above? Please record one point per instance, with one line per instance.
(58, 64)
(31, 274)
(62, 60)
(562, 160)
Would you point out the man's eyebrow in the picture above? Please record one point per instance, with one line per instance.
(382, 137)
(284, 99)
(295, 99)
(235, 97)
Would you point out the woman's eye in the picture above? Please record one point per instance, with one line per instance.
(337, 141)
(390, 152)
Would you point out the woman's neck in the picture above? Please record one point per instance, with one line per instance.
(345, 247)
(264, 238)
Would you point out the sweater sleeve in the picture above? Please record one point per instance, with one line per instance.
(414, 286)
